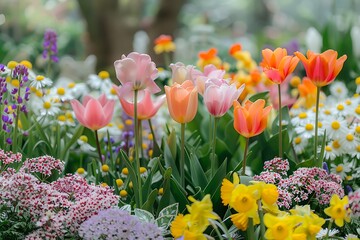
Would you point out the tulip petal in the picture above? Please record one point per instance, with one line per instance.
(94, 115)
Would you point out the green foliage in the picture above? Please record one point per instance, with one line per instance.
(13, 225)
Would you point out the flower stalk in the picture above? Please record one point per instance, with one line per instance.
(182, 156)
(280, 123)
(213, 154)
(244, 159)
(137, 159)
(318, 162)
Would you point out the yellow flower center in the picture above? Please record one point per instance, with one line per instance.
(39, 93)
(327, 112)
(120, 126)
(320, 124)
(357, 81)
(161, 191)
(113, 91)
(142, 170)
(328, 149)
(336, 144)
(302, 115)
(350, 137)
(80, 171)
(339, 169)
(280, 231)
(297, 140)
(348, 178)
(357, 110)
(123, 193)
(105, 168)
(26, 63)
(348, 102)
(339, 90)
(61, 118)
(358, 148)
(104, 74)
(150, 137)
(47, 105)
(84, 138)
(39, 78)
(340, 107)
(71, 85)
(15, 83)
(125, 171)
(12, 64)
(128, 122)
(309, 127)
(338, 212)
(119, 182)
(335, 125)
(144, 146)
(295, 81)
(61, 91)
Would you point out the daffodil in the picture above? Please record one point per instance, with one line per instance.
(310, 223)
(337, 210)
(278, 228)
(227, 188)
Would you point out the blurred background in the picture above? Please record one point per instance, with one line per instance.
(109, 28)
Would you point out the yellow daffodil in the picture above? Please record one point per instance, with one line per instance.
(269, 196)
(227, 187)
(278, 228)
(337, 210)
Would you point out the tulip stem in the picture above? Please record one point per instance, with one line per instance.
(280, 123)
(213, 160)
(182, 156)
(137, 160)
(98, 145)
(316, 127)
(244, 159)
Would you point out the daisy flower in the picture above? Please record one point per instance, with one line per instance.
(338, 89)
(61, 93)
(100, 81)
(329, 154)
(323, 232)
(349, 141)
(337, 147)
(48, 106)
(40, 82)
(300, 144)
(335, 127)
(356, 152)
(340, 169)
(307, 130)
(77, 90)
(302, 118)
(83, 143)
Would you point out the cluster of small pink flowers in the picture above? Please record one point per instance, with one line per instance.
(277, 165)
(43, 165)
(57, 208)
(354, 203)
(303, 185)
(7, 158)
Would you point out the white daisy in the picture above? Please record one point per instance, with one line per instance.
(77, 90)
(83, 143)
(338, 90)
(356, 152)
(302, 117)
(48, 106)
(322, 233)
(100, 81)
(340, 169)
(40, 82)
(335, 127)
(300, 144)
(337, 147)
(329, 154)
(349, 141)
(61, 93)
(306, 131)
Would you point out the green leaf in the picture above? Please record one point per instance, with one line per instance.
(78, 131)
(144, 215)
(216, 181)
(126, 207)
(170, 162)
(148, 205)
(171, 210)
(261, 95)
(132, 176)
(179, 194)
(198, 176)
(165, 198)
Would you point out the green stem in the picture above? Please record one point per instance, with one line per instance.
(262, 225)
(213, 155)
(280, 123)
(140, 138)
(329, 228)
(182, 155)
(216, 230)
(250, 229)
(316, 127)
(244, 159)
(155, 144)
(137, 159)
(98, 145)
(227, 234)
(166, 60)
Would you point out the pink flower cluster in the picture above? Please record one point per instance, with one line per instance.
(304, 185)
(7, 158)
(354, 203)
(57, 208)
(43, 165)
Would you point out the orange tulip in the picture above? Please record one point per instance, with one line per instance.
(277, 64)
(182, 101)
(322, 68)
(251, 119)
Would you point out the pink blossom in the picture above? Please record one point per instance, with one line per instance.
(44, 165)
(136, 72)
(146, 107)
(181, 73)
(93, 113)
(210, 71)
(219, 96)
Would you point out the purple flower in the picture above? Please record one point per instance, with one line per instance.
(50, 46)
(9, 141)
(112, 223)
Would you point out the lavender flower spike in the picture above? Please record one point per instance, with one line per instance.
(50, 46)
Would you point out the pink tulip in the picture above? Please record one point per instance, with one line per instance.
(181, 73)
(146, 107)
(93, 113)
(219, 96)
(210, 71)
(136, 72)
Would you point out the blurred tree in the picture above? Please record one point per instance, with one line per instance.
(111, 25)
